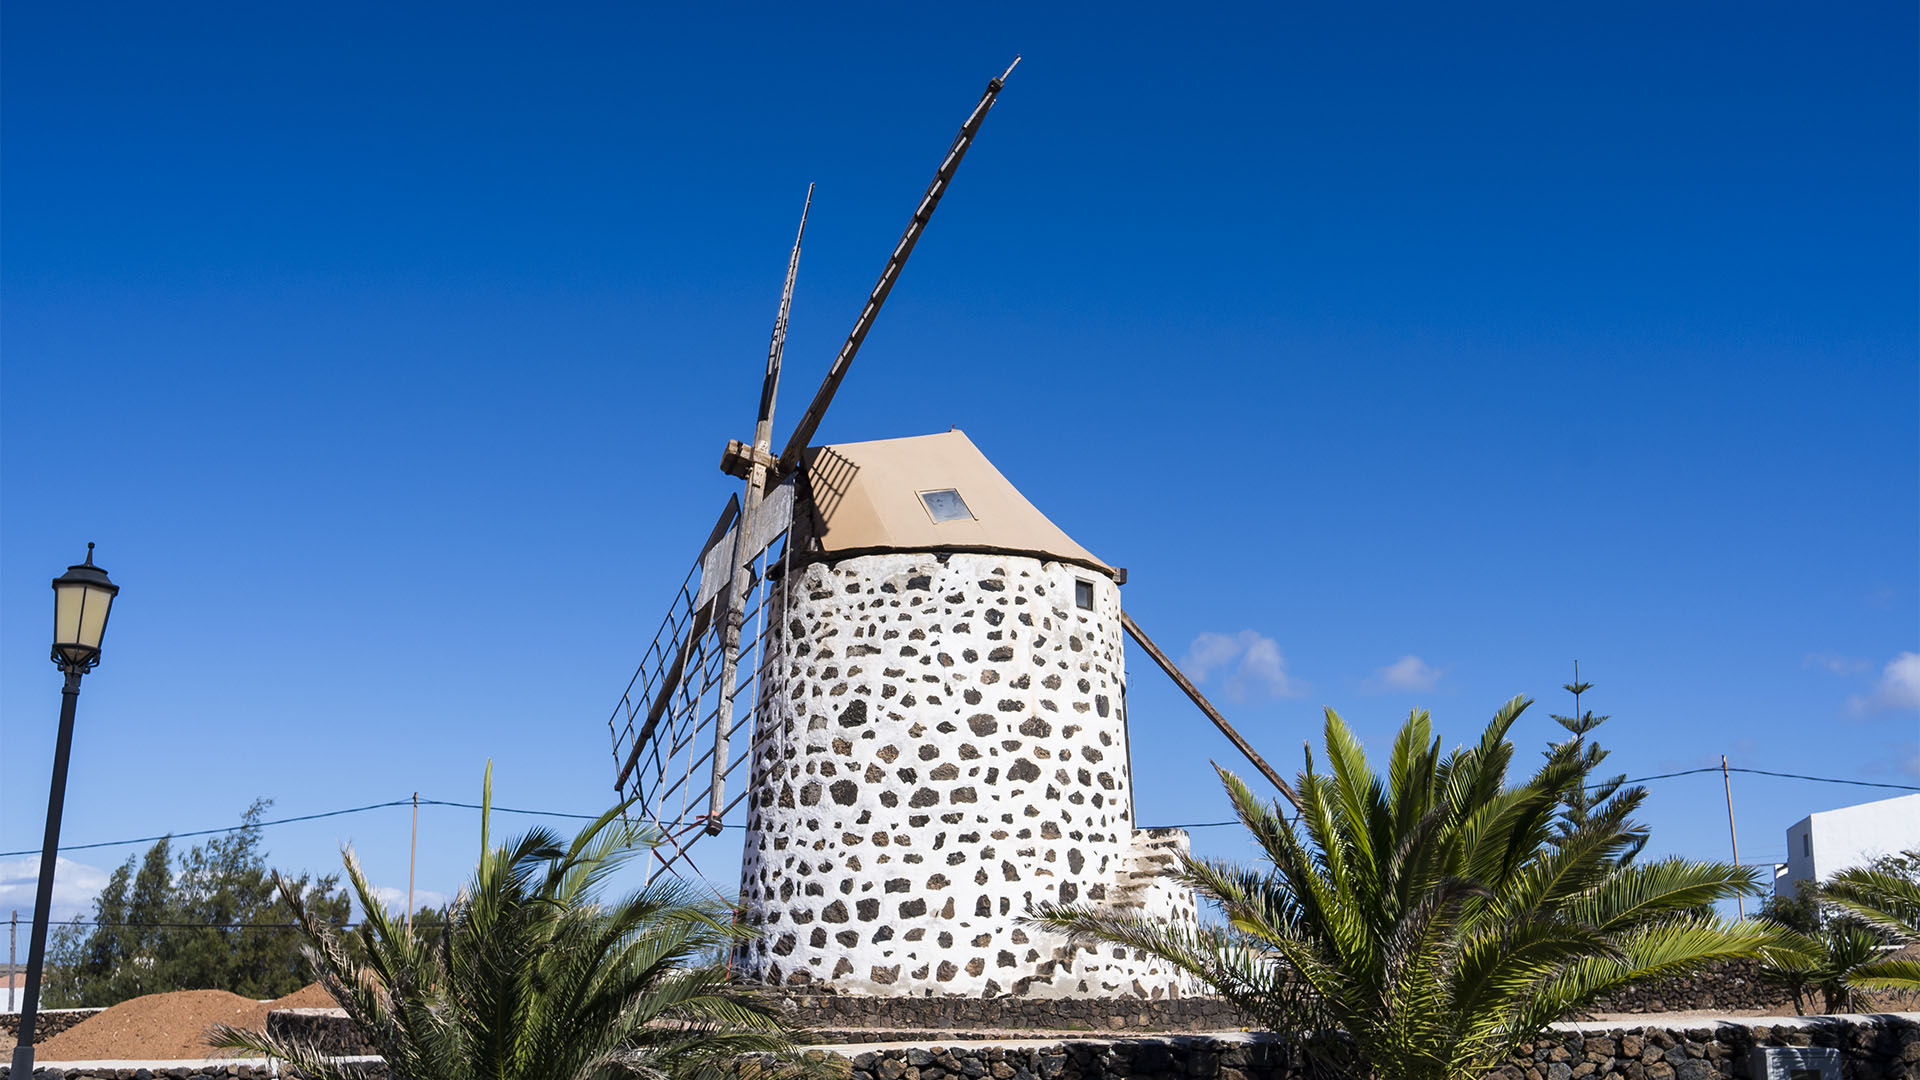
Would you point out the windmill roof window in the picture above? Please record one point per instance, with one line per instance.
(945, 505)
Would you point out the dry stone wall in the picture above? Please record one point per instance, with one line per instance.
(1877, 1047)
(47, 1023)
(1734, 985)
(864, 1018)
(1884, 1047)
(222, 1069)
(944, 745)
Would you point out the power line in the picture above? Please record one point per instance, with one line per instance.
(590, 817)
(563, 814)
(215, 832)
(325, 814)
(1640, 780)
(1768, 772)
(192, 925)
(514, 810)
(1825, 779)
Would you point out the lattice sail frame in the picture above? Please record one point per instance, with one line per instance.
(667, 767)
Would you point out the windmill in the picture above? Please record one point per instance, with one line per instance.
(925, 679)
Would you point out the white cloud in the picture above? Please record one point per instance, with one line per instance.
(1250, 661)
(1835, 663)
(75, 884)
(394, 899)
(1899, 687)
(1405, 674)
(1900, 682)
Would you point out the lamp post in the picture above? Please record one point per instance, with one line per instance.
(82, 598)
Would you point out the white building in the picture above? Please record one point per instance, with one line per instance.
(1821, 845)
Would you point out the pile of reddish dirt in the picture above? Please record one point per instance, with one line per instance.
(309, 996)
(171, 1025)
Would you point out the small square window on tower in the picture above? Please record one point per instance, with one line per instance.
(945, 505)
(1083, 594)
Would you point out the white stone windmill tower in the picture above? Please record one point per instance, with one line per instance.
(926, 680)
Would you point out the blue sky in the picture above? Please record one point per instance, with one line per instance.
(1402, 354)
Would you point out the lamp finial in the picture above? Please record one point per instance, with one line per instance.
(89, 553)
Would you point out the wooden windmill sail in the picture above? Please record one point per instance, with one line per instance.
(676, 729)
(685, 691)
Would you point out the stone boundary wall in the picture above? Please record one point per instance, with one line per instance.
(1879, 1047)
(1884, 1047)
(841, 1013)
(327, 1029)
(1734, 986)
(49, 1022)
(850, 1019)
(203, 1069)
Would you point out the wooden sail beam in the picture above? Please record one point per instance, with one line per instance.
(1193, 693)
(737, 573)
(810, 420)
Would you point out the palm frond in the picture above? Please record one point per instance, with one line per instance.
(1886, 900)
(306, 1059)
(1897, 974)
(533, 977)
(1437, 914)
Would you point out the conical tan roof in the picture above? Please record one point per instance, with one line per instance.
(871, 497)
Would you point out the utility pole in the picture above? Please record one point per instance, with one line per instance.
(13, 967)
(1726, 778)
(413, 851)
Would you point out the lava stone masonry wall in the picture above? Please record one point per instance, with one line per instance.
(842, 1017)
(1882, 1047)
(224, 1069)
(326, 1030)
(1872, 1048)
(1735, 985)
(837, 1018)
(944, 745)
(48, 1023)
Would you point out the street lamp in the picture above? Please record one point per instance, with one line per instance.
(82, 598)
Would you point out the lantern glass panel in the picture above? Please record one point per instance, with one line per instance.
(93, 616)
(67, 602)
(80, 614)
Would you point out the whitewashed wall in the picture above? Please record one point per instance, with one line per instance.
(944, 746)
(1821, 845)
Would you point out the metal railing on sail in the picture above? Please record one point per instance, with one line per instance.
(662, 749)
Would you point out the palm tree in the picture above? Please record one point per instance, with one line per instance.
(1830, 958)
(1425, 924)
(1888, 901)
(1836, 936)
(530, 977)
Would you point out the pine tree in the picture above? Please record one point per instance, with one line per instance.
(142, 937)
(1588, 797)
(214, 921)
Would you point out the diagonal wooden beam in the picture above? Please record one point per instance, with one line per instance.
(1193, 693)
(810, 420)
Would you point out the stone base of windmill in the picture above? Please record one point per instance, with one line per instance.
(948, 748)
(1014, 961)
